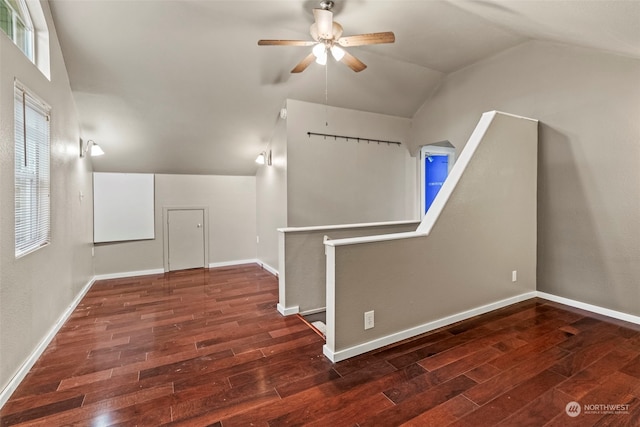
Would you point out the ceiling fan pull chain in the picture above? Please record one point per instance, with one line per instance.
(326, 94)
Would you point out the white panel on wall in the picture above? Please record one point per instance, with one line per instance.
(123, 207)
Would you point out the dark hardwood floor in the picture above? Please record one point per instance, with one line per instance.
(207, 347)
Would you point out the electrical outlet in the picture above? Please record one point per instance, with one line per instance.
(514, 276)
(368, 319)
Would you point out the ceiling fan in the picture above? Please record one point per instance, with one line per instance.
(327, 37)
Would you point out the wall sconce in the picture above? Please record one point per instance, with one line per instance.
(264, 157)
(92, 146)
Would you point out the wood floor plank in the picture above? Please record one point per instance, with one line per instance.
(539, 411)
(419, 403)
(208, 347)
(444, 414)
(615, 390)
(493, 411)
(490, 389)
(595, 374)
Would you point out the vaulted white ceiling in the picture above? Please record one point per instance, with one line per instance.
(180, 86)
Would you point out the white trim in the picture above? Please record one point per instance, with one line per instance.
(502, 113)
(337, 356)
(268, 268)
(466, 156)
(345, 226)
(590, 307)
(430, 218)
(24, 369)
(313, 311)
(161, 270)
(445, 192)
(282, 284)
(330, 301)
(234, 262)
(288, 311)
(370, 239)
(129, 274)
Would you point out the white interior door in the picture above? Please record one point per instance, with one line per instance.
(186, 246)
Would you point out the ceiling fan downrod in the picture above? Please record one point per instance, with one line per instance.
(326, 4)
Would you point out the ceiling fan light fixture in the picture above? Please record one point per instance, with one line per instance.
(261, 159)
(320, 52)
(337, 52)
(327, 36)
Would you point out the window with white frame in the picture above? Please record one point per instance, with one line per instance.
(16, 23)
(32, 146)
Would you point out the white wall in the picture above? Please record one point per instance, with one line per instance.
(588, 104)
(232, 222)
(343, 182)
(36, 289)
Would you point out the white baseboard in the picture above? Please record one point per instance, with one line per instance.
(234, 262)
(288, 311)
(313, 311)
(129, 274)
(245, 261)
(590, 307)
(161, 270)
(337, 356)
(269, 268)
(24, 369)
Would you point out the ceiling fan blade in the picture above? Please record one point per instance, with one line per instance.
(324, 21)
(302, 65)
(286, 43)
(352, 62)
(372, 38)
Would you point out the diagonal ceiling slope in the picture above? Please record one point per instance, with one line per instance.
(180, 86)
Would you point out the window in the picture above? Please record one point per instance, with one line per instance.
(436, 162)
(32, 205)
(16, 23)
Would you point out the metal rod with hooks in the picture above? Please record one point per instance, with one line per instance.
(353, 138)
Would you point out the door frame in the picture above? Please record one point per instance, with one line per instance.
(165, 236)
(426, 150)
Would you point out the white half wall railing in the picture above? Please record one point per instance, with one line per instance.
(302, 278)
(474, 251)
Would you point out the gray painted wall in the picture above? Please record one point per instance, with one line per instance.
(486, 230)
(304, 279)
(323, 182)
(588, 104)
(346, 182)
(271, 197)
(36, 289)
(232, 222)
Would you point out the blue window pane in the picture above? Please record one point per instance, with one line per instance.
(436, 168)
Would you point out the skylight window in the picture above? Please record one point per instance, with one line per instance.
(16, 23)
